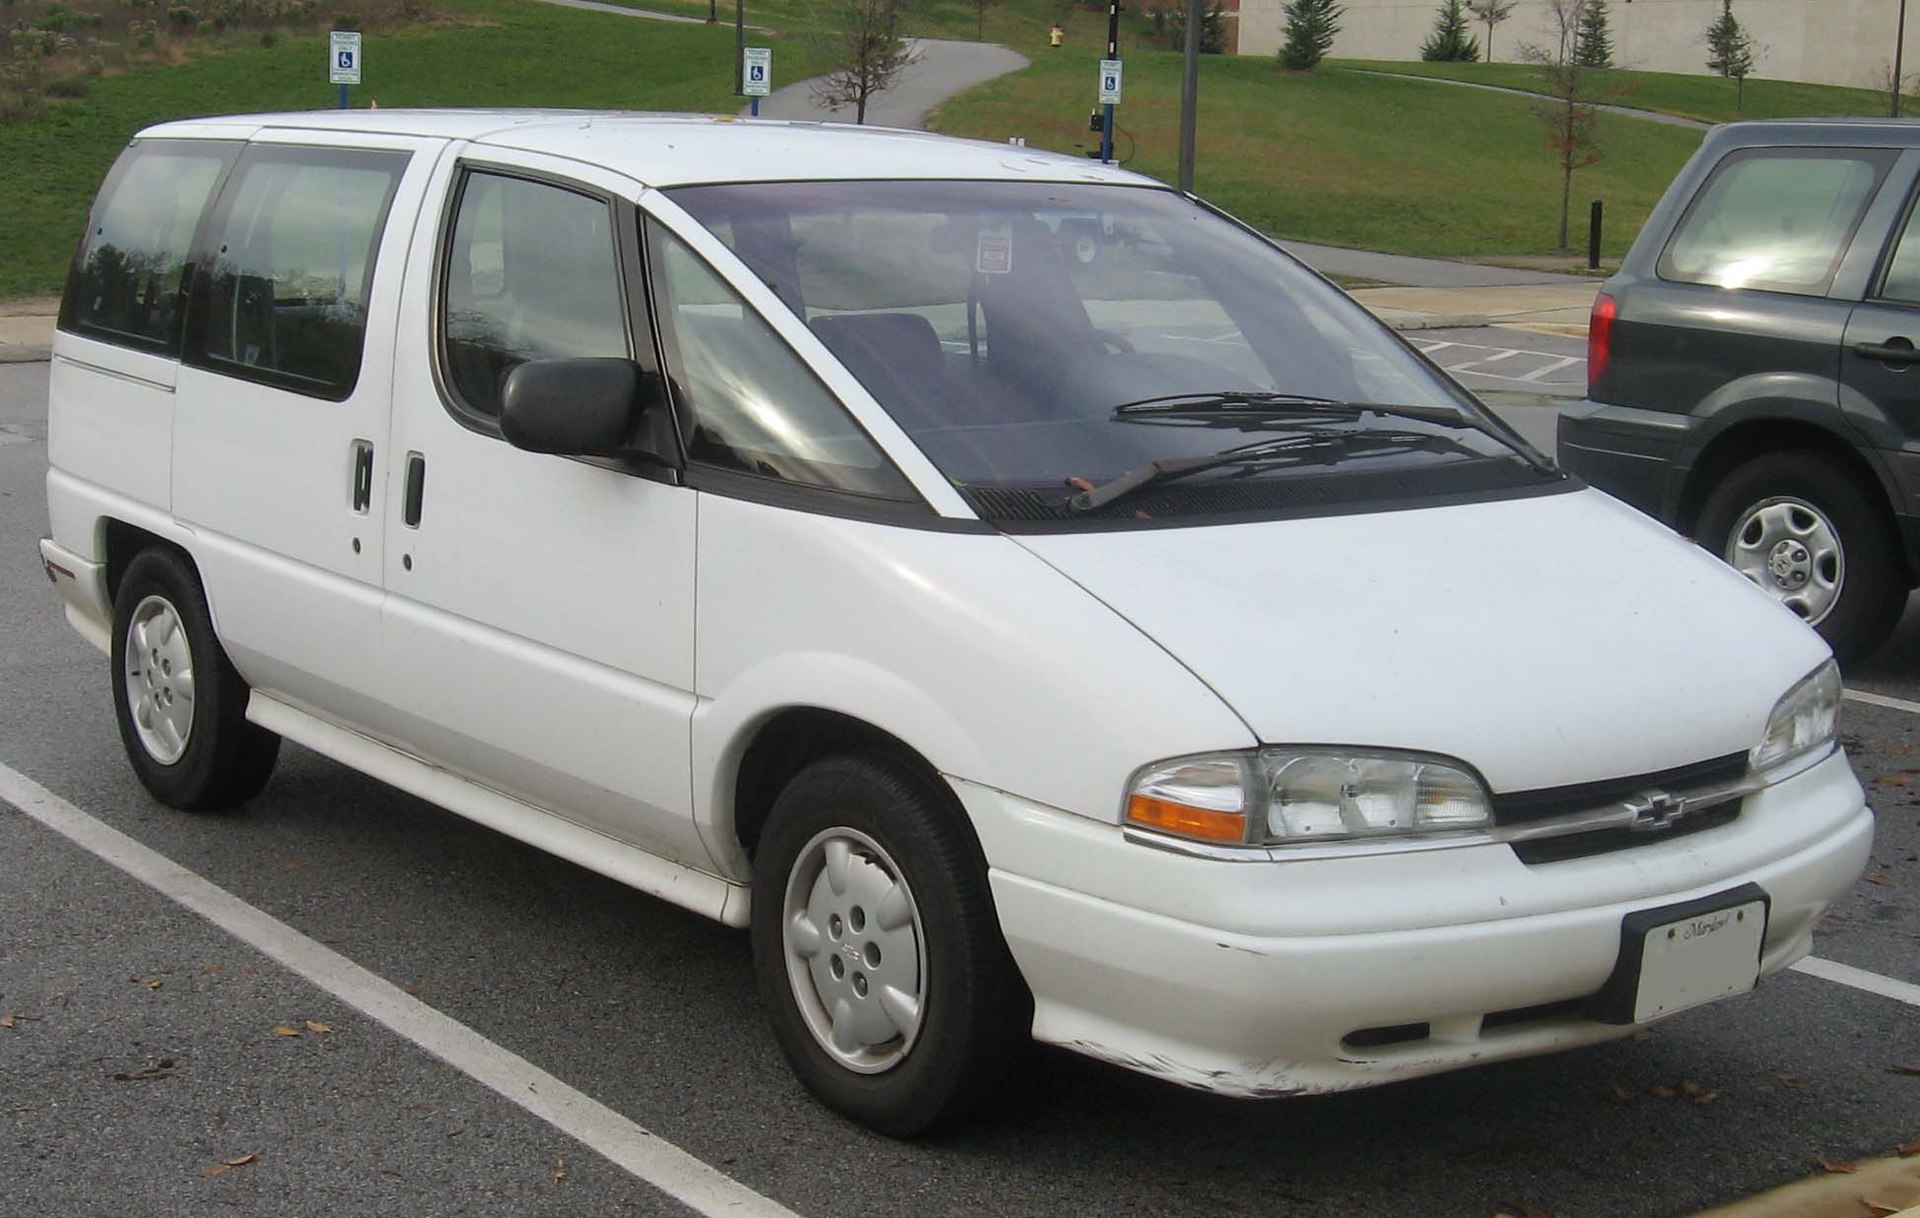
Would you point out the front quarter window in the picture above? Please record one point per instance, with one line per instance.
(754, 407)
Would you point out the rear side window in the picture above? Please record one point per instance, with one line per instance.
(1777, 219)
(290, 262)
(533, 272)
(126, 283)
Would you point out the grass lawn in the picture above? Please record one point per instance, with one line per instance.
(1341, 157)
(1708, 98)
(507, 52)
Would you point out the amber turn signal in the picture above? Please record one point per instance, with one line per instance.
(1204, 824)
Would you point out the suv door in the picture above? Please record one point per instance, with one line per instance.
(1880, 359)
(280, 411)
(539, 633)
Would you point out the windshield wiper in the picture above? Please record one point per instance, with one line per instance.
(1239, 407)
(1227, 404)
(1320, 447)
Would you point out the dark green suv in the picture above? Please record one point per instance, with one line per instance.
(1752, 375)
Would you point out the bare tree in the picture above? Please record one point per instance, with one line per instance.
(1568, 111)
(1490, 13)
(861, 39)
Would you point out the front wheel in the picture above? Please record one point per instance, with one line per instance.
(1801, 528)
(179, 703)
(876, 947)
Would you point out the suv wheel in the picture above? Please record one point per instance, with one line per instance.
(1799, 527)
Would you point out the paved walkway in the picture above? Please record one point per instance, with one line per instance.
(623, 11)
(1651, 116)
(1417, 272)
(939, 70)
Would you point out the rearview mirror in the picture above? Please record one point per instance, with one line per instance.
(579, 407)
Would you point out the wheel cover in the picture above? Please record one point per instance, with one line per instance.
(159, 671)
(1791, 550)
(853, 942)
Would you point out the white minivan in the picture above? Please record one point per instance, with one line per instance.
(1026, 598)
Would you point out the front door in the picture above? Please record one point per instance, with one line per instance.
(539, 627)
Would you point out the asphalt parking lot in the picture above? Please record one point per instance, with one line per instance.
(381, 1008)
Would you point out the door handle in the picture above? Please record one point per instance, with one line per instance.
(360, 481)
(1896, 350)
(416, 490)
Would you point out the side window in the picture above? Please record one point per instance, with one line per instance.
(755, 406)
(1776, 219)
(532, 272)
(291, 263)
(125, 286)
(1903, 271)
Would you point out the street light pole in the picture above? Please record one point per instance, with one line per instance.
(1899, 48)
(740, 46)
(1190, 92)
(1113, 52)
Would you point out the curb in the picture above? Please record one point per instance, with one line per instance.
(1438, 321)
(1888, 1187)
(25, 353)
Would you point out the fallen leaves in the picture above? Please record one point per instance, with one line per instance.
(7, 1020)
(291, 1032)
(559, 1170)
(1691, 1092)
(1790, 1080)
(226, 1165)
(1902, 1069)
(1835, 1167)
(160, 1069)
(152, 983)
(1878, 877)
(1908, 1150)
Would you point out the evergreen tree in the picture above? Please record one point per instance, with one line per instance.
(1593, 39)
(1450, 42)
(1311, 25)
(1730, 50)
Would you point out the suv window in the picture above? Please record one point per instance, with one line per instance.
(126, 281)
(532, 272)
(1775, 218)
(755, 406)
(291, 261)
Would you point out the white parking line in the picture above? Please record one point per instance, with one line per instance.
(1899, 704)
(1860, 979)
(651, 1159)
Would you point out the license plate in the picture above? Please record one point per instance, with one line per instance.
(1680, 956)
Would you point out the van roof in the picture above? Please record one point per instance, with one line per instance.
(682, 149)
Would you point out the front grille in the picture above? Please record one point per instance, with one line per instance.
(1530, 807)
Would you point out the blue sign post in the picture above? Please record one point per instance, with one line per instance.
(343, 61)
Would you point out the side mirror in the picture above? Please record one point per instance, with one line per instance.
(578, 407)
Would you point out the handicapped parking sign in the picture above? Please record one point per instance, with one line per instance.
(757, 79)
(1109, 82)
(343, 58)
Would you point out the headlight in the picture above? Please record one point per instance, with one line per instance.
(1296, 796)
(1802, 722)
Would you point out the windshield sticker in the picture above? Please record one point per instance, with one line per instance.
(993, 254)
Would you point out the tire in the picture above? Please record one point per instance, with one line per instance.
(906, 961)
(180, 705)
(1802, 528)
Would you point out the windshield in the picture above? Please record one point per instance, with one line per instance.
(1039, 340)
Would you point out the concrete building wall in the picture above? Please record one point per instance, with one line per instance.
(1839, 42)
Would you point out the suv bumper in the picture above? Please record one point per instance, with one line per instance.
(1639, 456)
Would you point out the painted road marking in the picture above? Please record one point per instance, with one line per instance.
(1899, 704)
(1860, 979)
(1472, 359)
(651, 1159)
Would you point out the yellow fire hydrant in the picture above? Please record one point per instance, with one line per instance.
(1056, 35)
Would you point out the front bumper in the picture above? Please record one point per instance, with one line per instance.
(1287, 977)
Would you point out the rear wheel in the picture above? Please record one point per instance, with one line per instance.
(180, 705)
(1801, 528)
(878, 954)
